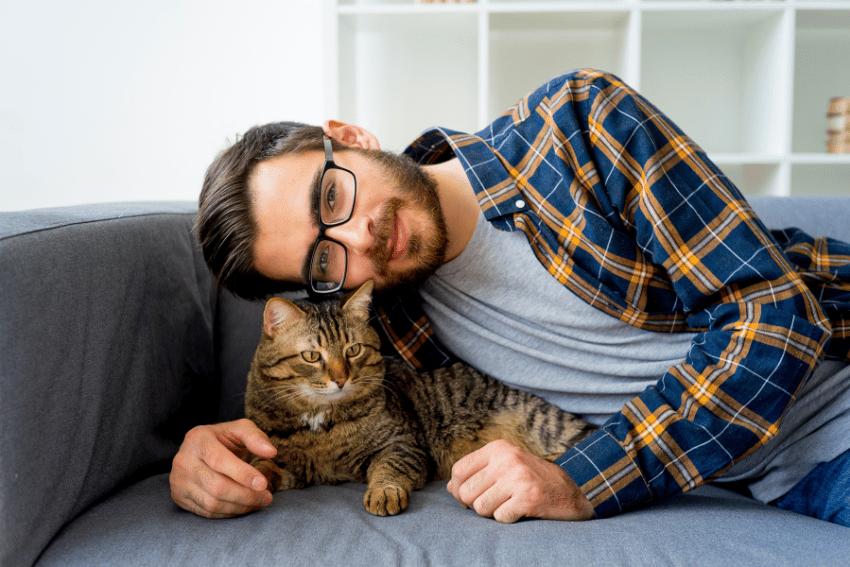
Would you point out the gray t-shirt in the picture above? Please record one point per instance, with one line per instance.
(515, 322)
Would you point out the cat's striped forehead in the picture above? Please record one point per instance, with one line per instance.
(329, 321)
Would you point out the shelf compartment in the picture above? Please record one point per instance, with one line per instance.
(821, 178)
(404, 7)
(821, 71)
(755, 178)
(557, 42)
(722, 75)
(402, 73)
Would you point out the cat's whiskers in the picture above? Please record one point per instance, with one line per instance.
(286, 394)
(376, 379)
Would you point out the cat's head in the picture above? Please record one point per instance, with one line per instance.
(318, 354)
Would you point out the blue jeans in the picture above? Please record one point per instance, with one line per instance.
(824, 493)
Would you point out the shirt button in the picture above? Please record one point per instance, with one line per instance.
(520, 204)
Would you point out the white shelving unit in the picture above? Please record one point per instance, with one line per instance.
(748, 80)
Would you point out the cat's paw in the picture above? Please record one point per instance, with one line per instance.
(385, 500)
(279, 479)
(272, 473)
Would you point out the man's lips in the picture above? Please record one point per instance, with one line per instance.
(398, 240)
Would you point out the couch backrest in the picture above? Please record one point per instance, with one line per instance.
(107, 357)
(819, 215)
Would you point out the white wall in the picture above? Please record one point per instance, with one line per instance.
(112, 100)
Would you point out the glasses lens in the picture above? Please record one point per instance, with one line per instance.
(327, 266)
(337, 199)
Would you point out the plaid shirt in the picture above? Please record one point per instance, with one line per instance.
(630, 215)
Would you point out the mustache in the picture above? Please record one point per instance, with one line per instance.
(380, 252)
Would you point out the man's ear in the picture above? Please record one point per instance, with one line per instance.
(351, 135)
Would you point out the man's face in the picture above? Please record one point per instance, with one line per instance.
(396, 234)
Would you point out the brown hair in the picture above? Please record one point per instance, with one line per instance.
(225, 225)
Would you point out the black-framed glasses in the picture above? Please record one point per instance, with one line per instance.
(337, 191)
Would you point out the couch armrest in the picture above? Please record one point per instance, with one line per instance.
(106, 358)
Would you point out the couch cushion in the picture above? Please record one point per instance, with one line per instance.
(328, 526)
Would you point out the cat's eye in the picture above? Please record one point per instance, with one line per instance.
(310, 356)
(353, 350)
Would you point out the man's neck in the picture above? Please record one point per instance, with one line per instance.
(460, 206)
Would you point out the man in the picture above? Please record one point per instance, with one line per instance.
(581, 247)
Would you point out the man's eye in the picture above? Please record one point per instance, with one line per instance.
(324, 260)
(330, 197)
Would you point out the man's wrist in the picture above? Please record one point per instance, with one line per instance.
(606, 475)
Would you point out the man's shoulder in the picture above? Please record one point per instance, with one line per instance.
(406, 331)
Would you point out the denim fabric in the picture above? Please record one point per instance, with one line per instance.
(824, 493)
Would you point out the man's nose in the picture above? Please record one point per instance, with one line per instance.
(357, 234)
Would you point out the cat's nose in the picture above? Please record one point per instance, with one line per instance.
(338, 373)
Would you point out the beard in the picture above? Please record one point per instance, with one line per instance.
(417, 191)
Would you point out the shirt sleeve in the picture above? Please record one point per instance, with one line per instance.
(699, 250)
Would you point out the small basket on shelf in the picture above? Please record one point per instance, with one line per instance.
(838, 125)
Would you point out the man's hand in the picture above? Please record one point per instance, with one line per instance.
(209, 479)
(504, 482)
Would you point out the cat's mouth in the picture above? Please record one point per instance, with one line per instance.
(332, 392)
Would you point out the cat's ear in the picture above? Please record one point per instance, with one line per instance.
(279, 310)
(359, 301)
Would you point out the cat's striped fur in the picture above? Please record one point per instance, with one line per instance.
(338, 411)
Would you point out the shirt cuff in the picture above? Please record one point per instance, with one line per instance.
(606, 474)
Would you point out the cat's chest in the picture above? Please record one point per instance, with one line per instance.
(328, 431)
(322, 451)
(314, 422)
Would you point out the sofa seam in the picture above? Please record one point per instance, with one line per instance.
(94, 221)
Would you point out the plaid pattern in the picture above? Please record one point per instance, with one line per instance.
(630, 215)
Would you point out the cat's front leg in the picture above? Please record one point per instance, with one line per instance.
(279, 479)
(392, 475)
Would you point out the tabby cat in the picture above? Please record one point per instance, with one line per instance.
(338, 411)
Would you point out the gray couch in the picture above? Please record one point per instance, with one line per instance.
(114, 341)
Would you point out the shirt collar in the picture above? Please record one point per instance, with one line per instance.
(493, 184)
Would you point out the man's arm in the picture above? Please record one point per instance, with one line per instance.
(647, 229)
(699, 251)
(210, 480)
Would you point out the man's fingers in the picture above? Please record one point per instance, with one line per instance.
(223, 462)
(199, 502)
(489, 501)
(508, 512)
(208, 479)
(214, 450)
(208, 493)
(462, 471)
(245, 433)
(474, 488)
